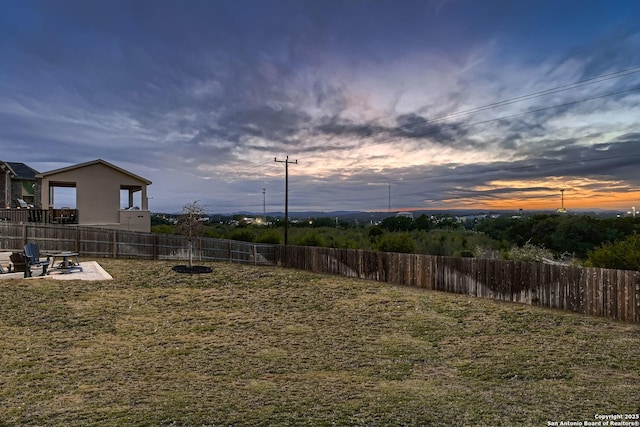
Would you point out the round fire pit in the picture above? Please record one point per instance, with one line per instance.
(196, 269)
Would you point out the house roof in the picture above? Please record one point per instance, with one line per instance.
(19, 170)
(91, 163)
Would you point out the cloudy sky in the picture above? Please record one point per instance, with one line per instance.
(424, 104)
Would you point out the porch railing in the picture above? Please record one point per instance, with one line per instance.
(40, 216)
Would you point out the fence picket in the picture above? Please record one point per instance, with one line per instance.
(592, 291)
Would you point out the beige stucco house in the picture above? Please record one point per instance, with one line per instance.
(99, 189)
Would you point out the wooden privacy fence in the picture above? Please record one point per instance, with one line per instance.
(101, 242)
(594, 291)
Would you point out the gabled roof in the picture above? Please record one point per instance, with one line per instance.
(19, 170)
(91, 163)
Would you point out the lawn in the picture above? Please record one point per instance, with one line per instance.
(249, 345)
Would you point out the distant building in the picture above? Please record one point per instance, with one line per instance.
(404, 215)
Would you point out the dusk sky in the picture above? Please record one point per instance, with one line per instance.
(444, 104)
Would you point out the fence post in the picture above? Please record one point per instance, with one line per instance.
(115, 244)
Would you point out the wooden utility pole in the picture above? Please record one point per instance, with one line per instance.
(264, 205)
(286, 195)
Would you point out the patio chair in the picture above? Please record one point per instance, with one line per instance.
(32, 251)
(20, 263)
(24, 204)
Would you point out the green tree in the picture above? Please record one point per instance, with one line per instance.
(375, 233)
(423, 222)
(577, 235)
(397, 223)
(621, 254)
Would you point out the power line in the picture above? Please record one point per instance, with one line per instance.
(538, 94)
(511, 116)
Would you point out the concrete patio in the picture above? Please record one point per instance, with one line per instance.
(91, 270)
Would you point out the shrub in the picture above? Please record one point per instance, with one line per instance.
(163, 229)
(312, 239)
(621, 254)
(400, 242)
(530, 252)
(270, 236)
(243, 235)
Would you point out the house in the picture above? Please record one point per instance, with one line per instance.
(106, 196)
(17, 185)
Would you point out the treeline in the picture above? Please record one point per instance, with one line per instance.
(582, 239)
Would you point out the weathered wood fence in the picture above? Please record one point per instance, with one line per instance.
(109, 243)
(594, 291)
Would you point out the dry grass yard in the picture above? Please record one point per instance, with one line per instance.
(250, 346)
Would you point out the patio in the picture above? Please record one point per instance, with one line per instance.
(91, 270)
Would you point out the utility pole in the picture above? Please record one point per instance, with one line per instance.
(264, 205)
(286, 195)
(389, 209)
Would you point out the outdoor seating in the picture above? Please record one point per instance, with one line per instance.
(32, 251)
(20, 263)
(24, 204)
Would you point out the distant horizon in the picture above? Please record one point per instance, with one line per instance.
(418, 211)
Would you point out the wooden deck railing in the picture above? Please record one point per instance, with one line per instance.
(40, 216)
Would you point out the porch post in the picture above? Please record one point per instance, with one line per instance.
(145, 202)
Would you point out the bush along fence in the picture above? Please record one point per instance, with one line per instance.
(594, 291)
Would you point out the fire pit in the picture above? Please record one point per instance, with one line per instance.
(196, 269)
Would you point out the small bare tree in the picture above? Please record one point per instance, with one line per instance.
(190, 225)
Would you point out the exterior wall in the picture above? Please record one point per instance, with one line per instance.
(135, 220)
(5, 189)
(16, 192)
(12, 189)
